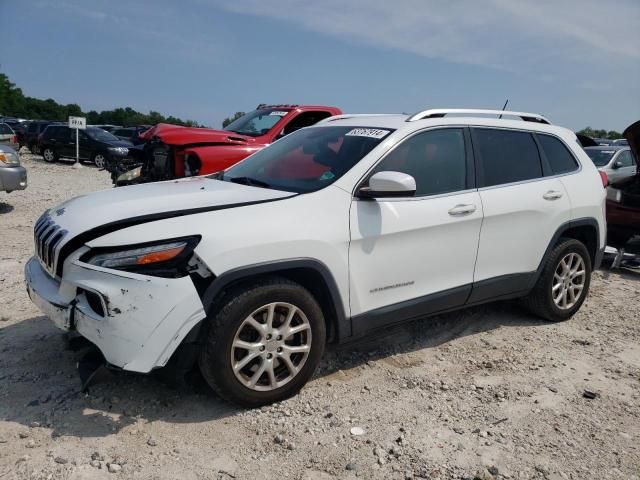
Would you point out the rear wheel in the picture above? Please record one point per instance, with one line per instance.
(264, 342)
(563, 283)
(49, 155)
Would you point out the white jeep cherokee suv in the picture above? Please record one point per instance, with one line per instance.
(353, 224)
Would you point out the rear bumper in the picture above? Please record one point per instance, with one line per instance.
(13, 178)
(136, 321)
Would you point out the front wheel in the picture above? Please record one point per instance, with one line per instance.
(49, 155)
(263, 343)
(99, 160)
(563, 283)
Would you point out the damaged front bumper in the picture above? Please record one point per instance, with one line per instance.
(137, 321)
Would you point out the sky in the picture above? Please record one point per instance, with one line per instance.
(575, 61)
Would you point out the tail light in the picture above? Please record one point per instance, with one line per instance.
(604, 178)
(14, 139)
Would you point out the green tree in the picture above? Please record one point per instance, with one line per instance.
(14, 103)
(231, 119)
(601, 133)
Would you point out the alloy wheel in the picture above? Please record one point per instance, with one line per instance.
(48, 155)
(568, 281)
(271, 346)
(98, 159)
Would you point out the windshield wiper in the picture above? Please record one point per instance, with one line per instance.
(250, 181)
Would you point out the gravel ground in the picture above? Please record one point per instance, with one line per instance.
(486, 393)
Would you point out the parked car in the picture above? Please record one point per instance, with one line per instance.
(173, 151)
(20, 129)
(32, 134)
(12, 121)
(623, 199)
(12, 175)
(620, 142)
(106, 127)
(617, 162)
(8, 136)
(96, 145)
(330, 233)
(131, 134)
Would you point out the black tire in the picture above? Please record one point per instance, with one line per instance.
(540, 299)
(223, 323)
(49, 155)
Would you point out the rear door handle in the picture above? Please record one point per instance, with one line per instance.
(552, 195)
(460, 210)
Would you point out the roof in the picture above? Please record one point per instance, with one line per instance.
(406, 123)
(264, 106)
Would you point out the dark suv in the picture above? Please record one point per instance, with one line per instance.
(32, 132)
(131, 133)
(96, 145)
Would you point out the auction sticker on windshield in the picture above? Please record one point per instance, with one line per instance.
(368, 132)
(278, 113)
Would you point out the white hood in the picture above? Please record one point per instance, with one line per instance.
(75, 222)
(117, 204)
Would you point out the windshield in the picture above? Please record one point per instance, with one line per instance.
(600, 157)
(306, 160)
(101, 135)
(258, 122)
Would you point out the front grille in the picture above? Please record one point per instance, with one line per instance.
(47, 236)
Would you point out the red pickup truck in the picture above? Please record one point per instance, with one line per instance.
(172, 151)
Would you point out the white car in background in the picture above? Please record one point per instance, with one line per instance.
(332, 232)
(616, 161)
(13, 176)
(8, 136)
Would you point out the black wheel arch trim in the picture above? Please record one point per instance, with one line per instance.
(217, 286)
(562, 229)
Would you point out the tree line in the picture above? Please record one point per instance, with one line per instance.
(609, 135)
(13, 103)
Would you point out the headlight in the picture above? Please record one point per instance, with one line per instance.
(168, 258)
(9, 158)
(119, 150)
(130, 175)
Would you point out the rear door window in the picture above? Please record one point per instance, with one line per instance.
(559, 158)
(507, 156)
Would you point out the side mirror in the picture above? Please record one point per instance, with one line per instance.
(388, 184)
(617, 164)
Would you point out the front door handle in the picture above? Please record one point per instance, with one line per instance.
(552, 195)
(460, 210)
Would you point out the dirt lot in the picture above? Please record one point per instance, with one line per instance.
(487, 393)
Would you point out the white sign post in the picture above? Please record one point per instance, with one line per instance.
(78, 123)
